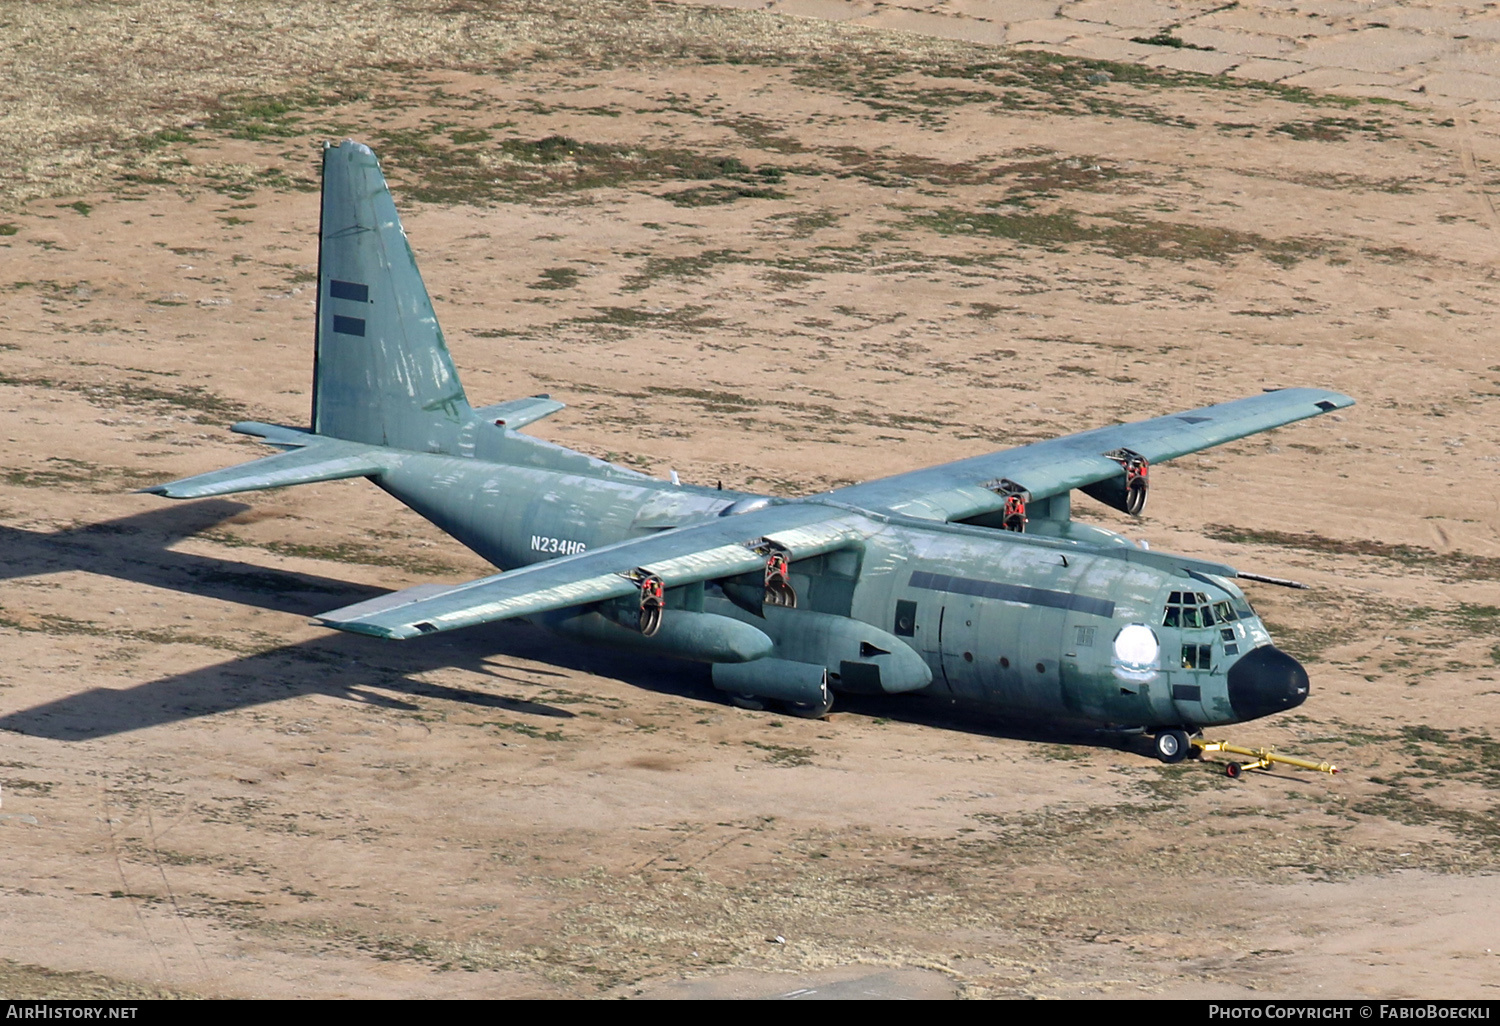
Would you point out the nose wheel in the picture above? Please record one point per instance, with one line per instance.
(1172, 746)
(810, 710)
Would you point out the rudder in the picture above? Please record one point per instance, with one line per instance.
(381, 370)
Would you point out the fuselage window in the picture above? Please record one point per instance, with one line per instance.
(1197, 657)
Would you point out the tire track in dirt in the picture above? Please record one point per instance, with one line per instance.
(1471, 169)
(172, 895)
(713, 842)
(125, 892)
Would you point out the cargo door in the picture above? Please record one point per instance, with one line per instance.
(958, 643)
(999, 661)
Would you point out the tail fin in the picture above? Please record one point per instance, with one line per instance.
(381, 373)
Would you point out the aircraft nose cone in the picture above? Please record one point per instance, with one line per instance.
(1266, 681)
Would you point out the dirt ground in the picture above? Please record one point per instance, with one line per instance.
(1441, 51)
(784, 254)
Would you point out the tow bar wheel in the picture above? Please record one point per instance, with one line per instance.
(1172, 746)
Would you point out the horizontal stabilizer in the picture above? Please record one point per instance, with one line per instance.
(326, 460)
(275, 434)
(722, 547)
(517, 413)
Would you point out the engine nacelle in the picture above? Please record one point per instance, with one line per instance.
(1126, 492)
(1012, 516)
(772, 587)
(778, 582)
(650, 603)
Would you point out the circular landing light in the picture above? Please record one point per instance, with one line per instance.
(1137, 652)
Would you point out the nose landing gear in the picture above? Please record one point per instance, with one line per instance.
(1172, 745)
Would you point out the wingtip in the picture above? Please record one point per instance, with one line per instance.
(1334, 401)
(369, 630)
(170, 491)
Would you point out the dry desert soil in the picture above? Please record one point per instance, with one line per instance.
(783, 253)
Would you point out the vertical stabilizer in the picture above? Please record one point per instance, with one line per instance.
(382, 373)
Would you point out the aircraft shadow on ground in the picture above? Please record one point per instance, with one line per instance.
(942, 713)
(137, 549)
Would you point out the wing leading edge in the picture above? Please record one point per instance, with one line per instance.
(720, 548)
(977, 485)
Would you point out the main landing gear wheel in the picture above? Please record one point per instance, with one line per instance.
(1172, 746)
(809, 710)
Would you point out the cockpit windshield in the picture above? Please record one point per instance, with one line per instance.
(1194, 609)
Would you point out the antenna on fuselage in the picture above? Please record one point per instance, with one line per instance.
(1282, 581)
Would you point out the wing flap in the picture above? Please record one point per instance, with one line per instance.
(324, 460)
(970, 487)
(426, 610)
(724, 547)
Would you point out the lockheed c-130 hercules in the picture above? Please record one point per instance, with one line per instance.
(968, 579)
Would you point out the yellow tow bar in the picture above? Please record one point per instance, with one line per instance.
(1262, 758)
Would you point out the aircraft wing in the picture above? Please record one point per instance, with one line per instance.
(722, 547)
(971, 487)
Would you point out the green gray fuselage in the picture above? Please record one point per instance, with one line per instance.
(1021, 623)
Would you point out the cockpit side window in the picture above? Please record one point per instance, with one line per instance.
(1197, 657)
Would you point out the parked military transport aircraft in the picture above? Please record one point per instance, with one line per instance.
(968, 579)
